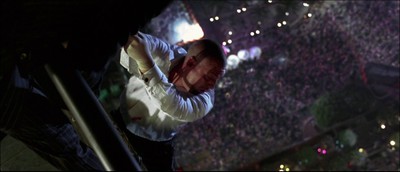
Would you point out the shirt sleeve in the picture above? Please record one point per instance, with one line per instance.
(161, 51)
(178, 105)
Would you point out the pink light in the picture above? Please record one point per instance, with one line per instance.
(324, 151)
(319, 150)
(226, 49)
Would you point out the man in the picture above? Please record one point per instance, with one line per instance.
(169, 88)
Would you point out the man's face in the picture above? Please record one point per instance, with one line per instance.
(203, 74)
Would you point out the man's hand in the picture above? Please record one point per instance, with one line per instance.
(137, 49)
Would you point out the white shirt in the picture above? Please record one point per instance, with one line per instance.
(151, 106)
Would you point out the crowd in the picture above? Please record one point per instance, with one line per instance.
(260, 109)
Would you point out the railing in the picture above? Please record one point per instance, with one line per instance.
(91, 118)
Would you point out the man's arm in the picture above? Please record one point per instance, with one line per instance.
(179, 105)
(186, 108)
(137, 48)
(174, 103)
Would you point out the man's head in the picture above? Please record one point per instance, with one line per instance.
(203, 65)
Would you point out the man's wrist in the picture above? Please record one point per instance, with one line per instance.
(143, 68)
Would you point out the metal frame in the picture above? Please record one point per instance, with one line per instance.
(91, 118)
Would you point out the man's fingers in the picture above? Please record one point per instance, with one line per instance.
(140, 35)
(133, 41)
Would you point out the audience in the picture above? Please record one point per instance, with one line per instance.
(253, 117)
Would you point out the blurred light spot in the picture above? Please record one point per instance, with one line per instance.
(361, 150)
(392, 142)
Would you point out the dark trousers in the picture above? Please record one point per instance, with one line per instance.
(154, 155)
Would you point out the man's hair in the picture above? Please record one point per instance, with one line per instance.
(211, 49)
